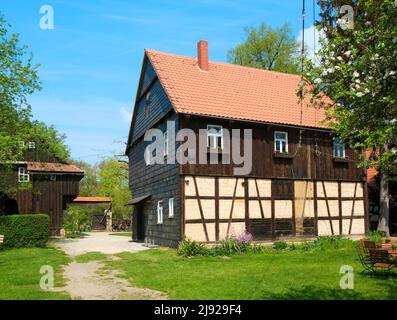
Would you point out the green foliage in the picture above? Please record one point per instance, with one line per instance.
(269, 49)
(74, 219)
(189, 248)
(73, 236)
(376, 236)
(356, 68)
(24, 230)
(109, 178)
(280, 245)
(18, 80)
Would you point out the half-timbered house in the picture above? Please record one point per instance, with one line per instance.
(303, 181)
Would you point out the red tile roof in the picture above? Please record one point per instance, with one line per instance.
(92, 199)
(232, 91)
(53, 167)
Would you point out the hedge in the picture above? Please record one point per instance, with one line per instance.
(30, 230)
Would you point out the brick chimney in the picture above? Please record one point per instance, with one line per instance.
(202, 55)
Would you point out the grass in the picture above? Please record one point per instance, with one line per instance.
(123, 234)
(91, 256)
(269, 275)
(20, 273)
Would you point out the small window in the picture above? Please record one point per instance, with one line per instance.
(339, 149)
(166, 143)
(159, 212)
(23, 175)
(214, 137)
(148, 96)
(170, 207)
(32, 145)
(281, 142)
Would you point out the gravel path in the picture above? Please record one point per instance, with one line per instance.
(98, 242)
(87, 281)
(90, 280)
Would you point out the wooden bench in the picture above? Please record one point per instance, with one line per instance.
(381, 259)
(376, 259)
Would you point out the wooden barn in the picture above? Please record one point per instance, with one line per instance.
(41, 185)
(303, 181)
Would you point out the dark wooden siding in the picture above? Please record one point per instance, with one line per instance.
(304, 162)
(160, 105)
(162, 182)
(46, 196)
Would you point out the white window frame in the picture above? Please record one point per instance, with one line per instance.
(214, 135)
(281, 142)
(336, 152)
(23, 175)
(31, 145)
(166, 143)
(170, 207)
(160, 211)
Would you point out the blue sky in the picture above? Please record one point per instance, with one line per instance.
(91, 60)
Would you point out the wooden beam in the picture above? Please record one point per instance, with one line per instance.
(328, 211)
(231, 209)
(352, 212)
(201, 209)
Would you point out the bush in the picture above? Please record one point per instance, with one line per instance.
(376, 236)
(280, 245)
(74, 219)
(189, 248)
(24, 230)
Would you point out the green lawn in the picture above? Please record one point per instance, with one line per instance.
(270, 275)
(20, 273)
(123, 234)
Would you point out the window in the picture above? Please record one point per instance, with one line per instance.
(32, 145)
(23, 175)
(148, 95)
(21, 144)
(280, 142)
(159, 212)
(339, 149)
(166, 143)
(170, 207)
(214, 137)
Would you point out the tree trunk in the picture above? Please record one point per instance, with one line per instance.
(383, 224)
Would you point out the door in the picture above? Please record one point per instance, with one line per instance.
(140, 223)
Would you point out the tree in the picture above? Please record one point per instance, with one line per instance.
(18, 80)
(113, 182)
(357, 69)
(269, 49)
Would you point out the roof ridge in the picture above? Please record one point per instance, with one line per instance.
(148, 50)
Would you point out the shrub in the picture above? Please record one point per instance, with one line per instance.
(74, 219)
(189, 248)
(24, 230)
(280, 245)
(376, 236)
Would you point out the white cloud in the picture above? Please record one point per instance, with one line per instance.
(311, 33)
(126, 115)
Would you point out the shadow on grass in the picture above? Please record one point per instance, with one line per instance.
(313, 293)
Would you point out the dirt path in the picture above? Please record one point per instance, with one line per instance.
(89, 281)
